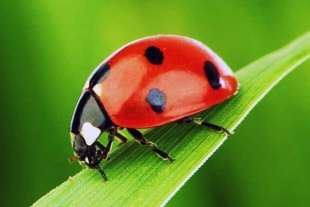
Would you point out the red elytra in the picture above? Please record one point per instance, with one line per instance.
(180, 76)
(147, 83)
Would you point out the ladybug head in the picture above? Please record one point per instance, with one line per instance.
(91, 155)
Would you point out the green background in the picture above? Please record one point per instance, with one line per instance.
(48, 48)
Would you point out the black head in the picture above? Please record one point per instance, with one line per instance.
(88, 122)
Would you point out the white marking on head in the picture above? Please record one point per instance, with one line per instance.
(87, 160)
(90, 133)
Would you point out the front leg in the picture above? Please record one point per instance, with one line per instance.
(105, 150)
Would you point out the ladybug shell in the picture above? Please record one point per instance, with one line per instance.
(160, 79)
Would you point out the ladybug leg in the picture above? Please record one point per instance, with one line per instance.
(105, 150)
(121, 138)
(189, 120)
(143, 141)
(215, 128)
(97, 167)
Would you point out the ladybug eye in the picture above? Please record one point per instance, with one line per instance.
(79, 146)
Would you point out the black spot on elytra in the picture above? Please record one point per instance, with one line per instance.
(154, 55)
(212, 75)
(157, 100)
(99, 75)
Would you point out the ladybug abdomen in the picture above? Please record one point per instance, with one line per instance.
(161, 79)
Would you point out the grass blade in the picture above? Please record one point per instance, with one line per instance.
(139, 178)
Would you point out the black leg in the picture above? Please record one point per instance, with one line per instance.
(105, 150)
(102, 173)
(121, 138)
(112, 131)
(143, 141)
(188, 120)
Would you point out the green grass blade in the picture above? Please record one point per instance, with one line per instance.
(139, 178)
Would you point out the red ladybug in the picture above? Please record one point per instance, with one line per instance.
(147, 83)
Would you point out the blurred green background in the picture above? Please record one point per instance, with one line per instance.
(48, 48)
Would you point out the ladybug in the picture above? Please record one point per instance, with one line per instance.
(147, 83)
